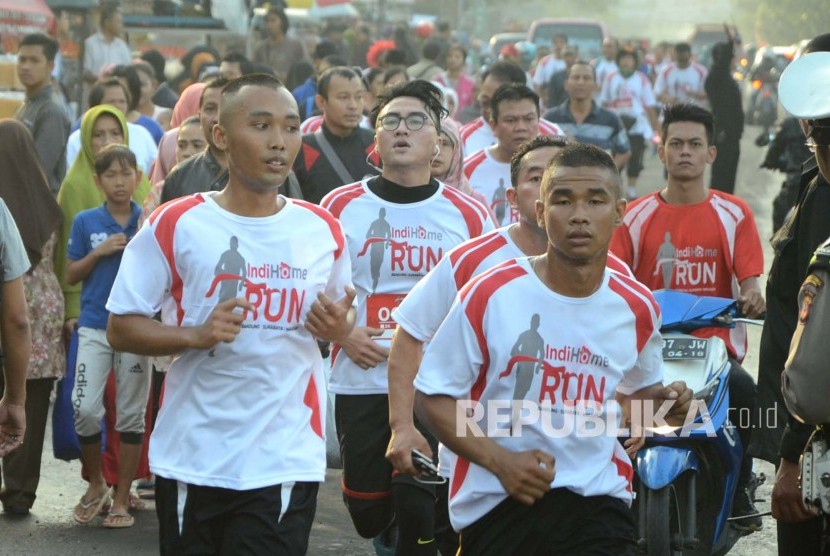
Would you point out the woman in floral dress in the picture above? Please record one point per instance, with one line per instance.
(25, 190)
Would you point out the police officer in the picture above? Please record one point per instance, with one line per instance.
(801, 91)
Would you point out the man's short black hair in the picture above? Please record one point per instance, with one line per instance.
(192, 120)
(155, 59)
(505, 72)
(424, 91)
(393, 72)
(687, 112)
(460, 49)
(47, 44)
(538, 142)
(238, 58)
(335, 60)
(577, 155)
(582, 63)
(232, 87)
(217, 83)
(683, 47)
(623, 52)
(280, 13)
(114, 153)
(431, 50)
(108, 11)
(394, 57)
(324, 48)
(511, 92)
(326, 76)
(96, 92)
(129, 74)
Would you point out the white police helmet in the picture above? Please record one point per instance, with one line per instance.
(804, 88)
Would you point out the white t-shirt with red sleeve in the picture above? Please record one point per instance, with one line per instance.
(681, 83)
(393, 246)
(706, 249)
(509, 337)
(491, 178)
(629, 96)
(248, 413)
(478, 134)
(425, 307)
(545, 69)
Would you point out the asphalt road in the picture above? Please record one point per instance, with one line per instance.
(50, 530)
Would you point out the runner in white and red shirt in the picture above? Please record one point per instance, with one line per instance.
(628, 93)
(478, 134)
(514, 111)
(689, 238)
(526, 485)
(397, 226)
(238, 448)
(545, 69)
(607, 63)
(425, 307)
(681, 80)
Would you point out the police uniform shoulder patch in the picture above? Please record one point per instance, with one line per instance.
(809, 290)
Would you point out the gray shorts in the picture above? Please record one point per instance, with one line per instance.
(132, 384)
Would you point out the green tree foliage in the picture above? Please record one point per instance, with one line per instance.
(783, 21)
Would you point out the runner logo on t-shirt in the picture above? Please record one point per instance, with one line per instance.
(531, 354)
(692, 269)
(406, 259)
(232, 277)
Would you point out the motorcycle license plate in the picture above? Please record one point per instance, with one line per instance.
(684, 348)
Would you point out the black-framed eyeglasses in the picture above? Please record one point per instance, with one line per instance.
(413, 122)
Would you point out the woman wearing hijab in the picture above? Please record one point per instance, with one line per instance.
(100, 126)
(26, 192)
(448, 165)
(186, 106)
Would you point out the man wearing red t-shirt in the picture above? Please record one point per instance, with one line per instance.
(688, 238)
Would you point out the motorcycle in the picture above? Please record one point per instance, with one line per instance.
(785, 154)
(764, 109)
(686, 478)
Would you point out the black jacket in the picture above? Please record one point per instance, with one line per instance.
(794, 244)
(197, 174)
(317, 176)
(724, 96)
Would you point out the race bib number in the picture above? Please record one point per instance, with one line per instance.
(379, 310)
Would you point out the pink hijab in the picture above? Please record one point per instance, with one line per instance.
(186, 106)
(455, 175)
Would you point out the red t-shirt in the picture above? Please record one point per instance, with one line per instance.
(705, 249)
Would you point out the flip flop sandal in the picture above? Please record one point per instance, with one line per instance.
(85, 512)
(136, 503)
(118, 521)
